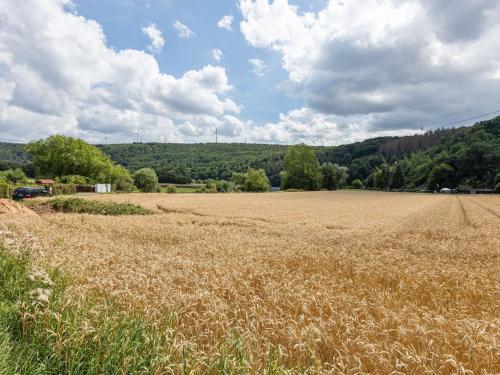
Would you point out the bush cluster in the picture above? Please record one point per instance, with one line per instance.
(171, 189)
(64, 189)
(80, 205)
(357, 184)
(146, 180)
(254, 180)
(6, 189)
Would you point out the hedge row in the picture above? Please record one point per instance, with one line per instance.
(80, 205)
(60, 189)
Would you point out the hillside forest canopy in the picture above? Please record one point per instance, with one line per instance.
(466, 157)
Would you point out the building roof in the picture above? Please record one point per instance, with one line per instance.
(45, 181)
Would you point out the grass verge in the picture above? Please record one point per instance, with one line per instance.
(41, 333)
(80, 205)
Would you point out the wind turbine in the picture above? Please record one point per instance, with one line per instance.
(137, 133)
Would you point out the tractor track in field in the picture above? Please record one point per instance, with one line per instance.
(468, 222)
(494, 213)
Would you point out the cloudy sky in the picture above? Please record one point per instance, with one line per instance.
(319, 71)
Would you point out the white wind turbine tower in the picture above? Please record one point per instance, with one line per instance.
(137, 133)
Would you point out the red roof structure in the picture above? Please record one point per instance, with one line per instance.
(45, 181)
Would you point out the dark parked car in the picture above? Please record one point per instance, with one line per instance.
(30, 192)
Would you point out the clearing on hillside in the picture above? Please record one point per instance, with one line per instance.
(346, 282)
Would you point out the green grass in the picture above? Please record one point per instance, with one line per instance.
(182, 189)
(80, 205)
(93, 336)
(65, 338)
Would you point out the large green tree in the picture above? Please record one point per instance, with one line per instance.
(441, 176)
(59, 156)
(398, 178)
(301, 169)
(382, 177)
(333, 176)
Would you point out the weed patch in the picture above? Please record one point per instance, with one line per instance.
(84, 206)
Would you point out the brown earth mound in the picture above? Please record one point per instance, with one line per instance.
(10, 207)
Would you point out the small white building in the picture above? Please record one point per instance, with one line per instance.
(445, 190)
(103, 188)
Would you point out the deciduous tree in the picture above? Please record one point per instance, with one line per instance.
(301, 169)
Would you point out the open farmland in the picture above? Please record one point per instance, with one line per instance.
(343, 282)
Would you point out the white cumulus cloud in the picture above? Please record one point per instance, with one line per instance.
(182, 30)
(257, 67)
(226, 22)
(155, 36)
(390, 64)
(217, 54)
(59, 76)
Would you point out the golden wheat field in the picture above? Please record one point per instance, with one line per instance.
(334, 282)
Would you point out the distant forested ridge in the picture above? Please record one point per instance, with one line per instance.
(467, 156)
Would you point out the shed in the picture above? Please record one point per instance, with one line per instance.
(45, 182)
(445, 190)
(103, 188)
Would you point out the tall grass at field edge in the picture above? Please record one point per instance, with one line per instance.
(56, 336)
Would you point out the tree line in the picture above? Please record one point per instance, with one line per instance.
(467, 157)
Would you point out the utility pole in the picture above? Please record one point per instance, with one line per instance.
(109, 168)
(216, 134)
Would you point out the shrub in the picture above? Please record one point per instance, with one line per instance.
(146, 180)
(497, 188)
(253, 180)
(202, 190)
(14, 175)
(171, 189)
(6, 189)
(256, 180)
(224, 186)
(64, 189)
(239, 179)
(79, 205)
(211, 186)
(121, 179)
(357, 184)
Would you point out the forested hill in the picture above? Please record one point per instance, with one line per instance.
(464, 156)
